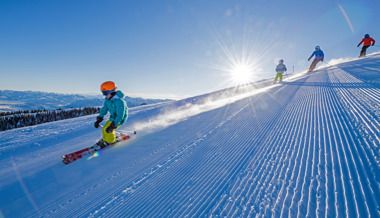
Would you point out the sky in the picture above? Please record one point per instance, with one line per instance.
(171, 49)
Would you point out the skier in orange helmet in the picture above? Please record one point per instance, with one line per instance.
(115, 104)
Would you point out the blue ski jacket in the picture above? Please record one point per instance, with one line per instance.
(318, 54)
(117, 107)
(281, 68)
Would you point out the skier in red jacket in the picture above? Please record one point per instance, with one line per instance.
(367, 40)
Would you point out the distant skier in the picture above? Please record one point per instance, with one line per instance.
(319, 56)
(280, 69)
(367, 40)
(115, 104)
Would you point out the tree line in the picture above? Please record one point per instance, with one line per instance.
(17, 119)
(9, 113)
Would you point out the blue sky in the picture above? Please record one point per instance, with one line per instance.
(154, 48)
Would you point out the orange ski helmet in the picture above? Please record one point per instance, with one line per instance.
(108, 87)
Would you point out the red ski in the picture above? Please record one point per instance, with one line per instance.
(90, 151)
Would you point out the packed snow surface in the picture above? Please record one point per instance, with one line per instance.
(308, 147)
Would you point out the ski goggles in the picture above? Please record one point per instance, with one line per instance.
(105, 93)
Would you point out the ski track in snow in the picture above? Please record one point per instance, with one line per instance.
(307, 148)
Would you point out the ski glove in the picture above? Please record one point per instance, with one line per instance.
(358, 45)
(308, 59)
(111, 127)
(373, 44)
(97, 122)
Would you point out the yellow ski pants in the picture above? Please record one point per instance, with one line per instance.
(109, 137)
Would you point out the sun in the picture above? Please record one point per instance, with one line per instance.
(241, 73)
(239, 61)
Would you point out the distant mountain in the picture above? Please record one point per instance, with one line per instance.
(32, 100)
(99, 101)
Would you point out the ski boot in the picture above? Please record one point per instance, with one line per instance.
(100, 145)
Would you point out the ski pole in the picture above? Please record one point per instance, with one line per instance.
(372, 45)
(332, 65)
(122, 131)
(327, 63)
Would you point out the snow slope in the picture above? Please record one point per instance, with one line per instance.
(309, 147)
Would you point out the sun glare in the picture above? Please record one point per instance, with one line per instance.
(241, 74)
(239, 58)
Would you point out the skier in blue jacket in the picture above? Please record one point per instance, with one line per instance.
(114, 104)
(280, 69)
(319, 56)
